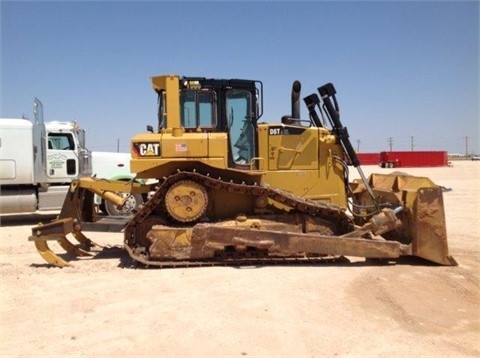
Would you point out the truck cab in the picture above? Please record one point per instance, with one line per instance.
(66, 156)
(38, 161)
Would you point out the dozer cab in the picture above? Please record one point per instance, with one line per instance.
(230, 189)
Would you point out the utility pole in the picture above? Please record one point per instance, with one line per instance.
(390, 142)
(411, 143)
(466, 146)
(358, 145)
(118, 145)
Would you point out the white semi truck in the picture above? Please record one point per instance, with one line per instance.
(39, 160)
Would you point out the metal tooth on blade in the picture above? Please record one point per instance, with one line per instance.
(48, 255)
(72, 249)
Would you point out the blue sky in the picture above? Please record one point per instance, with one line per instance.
(401, 69)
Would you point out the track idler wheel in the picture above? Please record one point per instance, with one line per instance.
(186, 201)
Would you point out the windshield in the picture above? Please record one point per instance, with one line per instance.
(61, 141)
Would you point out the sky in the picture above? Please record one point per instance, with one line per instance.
(406, 72)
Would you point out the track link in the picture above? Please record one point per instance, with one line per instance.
(330, 212)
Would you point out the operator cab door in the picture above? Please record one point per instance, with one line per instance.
(62, 161)
(241, 130)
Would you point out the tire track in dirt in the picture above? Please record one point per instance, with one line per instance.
(437, 303)
(421, 299)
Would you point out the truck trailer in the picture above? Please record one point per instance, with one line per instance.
(409, 159)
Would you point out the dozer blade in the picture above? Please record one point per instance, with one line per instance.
(422, 217)
(429, 230)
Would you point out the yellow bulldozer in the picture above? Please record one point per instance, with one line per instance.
(229, 189)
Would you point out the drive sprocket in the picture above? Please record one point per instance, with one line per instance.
(186, 201)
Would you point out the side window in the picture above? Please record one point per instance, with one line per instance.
(188, 112)
(61, 141)
(241, 129)
(162, 120)
(205, 113)
(197, 109)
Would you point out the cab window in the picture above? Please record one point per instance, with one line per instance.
(162, 110)
(61, 141)
(241, 129)
(197, 109)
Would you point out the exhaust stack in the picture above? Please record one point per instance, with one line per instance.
(296, 88)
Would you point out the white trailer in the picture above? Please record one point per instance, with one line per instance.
(39, 160)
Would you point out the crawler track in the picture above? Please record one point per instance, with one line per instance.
(331, 213)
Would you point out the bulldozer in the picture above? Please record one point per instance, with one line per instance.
(225, 188)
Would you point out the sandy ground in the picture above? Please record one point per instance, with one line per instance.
(97, 308)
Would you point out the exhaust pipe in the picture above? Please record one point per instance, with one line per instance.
(296, 87)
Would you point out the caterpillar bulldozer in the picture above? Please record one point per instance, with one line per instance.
(232, 190)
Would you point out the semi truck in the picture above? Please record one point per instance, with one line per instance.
(38, 161)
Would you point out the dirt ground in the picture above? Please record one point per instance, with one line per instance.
(97, 308)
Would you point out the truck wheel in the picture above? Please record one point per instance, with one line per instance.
(131, 204)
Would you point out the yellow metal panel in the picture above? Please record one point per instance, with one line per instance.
(175, 149)
(192, 145)
(145, 145)
(171, 85)
(303, 164)
(146, 168)
(217, 145)
(146, 137)
(263, 146)
(293, 151)
(310, 184)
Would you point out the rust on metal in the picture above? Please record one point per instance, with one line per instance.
(429, 228)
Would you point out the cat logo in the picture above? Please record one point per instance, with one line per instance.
(147, 149)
